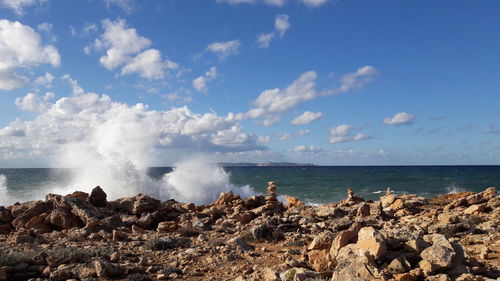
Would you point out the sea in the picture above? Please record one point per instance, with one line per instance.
(312, 184)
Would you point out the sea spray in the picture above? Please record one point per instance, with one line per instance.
(198, 181)
(4, 192)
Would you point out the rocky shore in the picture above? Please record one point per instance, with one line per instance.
(84, 236)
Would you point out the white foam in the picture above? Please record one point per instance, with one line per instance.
(4, 192)
(453, 188)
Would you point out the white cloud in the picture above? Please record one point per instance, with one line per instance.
(281, 24)
(401, 118)
(345, 133)
(121, 43)
(279, 3)
(47, 29)
(285, 136)
(45, 80)
(124, 48)
(306, 118)
(355, 80)
(33, 102)
(224, 49)
(314, 3)
(18, 5)
(303, 132)
(264, 39)
(307, 149)
(76, 88)
(264, 139)
(492, 129)
(13, 57)
(147, 64)
(127, 6)
(98, 125)
(200, 83)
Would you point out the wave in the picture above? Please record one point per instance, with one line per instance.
(453, 188)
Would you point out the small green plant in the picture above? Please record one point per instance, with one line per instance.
(11, 257)
(138, 277)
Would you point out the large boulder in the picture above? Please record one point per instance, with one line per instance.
(24, 212)
(98, 197)
(371, 241)
(440, 254)
(64, 219)
(343, 238)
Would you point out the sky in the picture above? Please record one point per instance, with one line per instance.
(330, 82)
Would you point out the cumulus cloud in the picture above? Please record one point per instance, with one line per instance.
(33, 102)
(281, 24)
(200, 83)
(13, 58)
(314, 3)
(224, 49)
(278, 3)
(127, 6)
(346, 133)
(98, 125)
(355, 80)
(307, 149)
(273, 102)
(306, 118)
(45, 80)
(18, 5)
(125, 48)
(285, 137)
(264, 39)
(401, 118)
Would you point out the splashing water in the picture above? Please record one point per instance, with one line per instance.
(453, 188)
(4, 193)
(200, 182)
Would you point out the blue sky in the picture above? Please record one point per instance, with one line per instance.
(344, 82)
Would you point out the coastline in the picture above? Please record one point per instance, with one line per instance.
(399, 237)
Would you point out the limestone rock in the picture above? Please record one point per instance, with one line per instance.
(318, 260)
(478, 208)
(439, 255)
(293, 202)
(322, 241)
(343, 238)
(63, 219)
(372, 241)
(240, 244)
(439, 277)
(106, 269)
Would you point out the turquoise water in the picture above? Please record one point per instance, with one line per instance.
(312, 184)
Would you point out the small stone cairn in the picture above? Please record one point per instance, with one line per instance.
(271, 198)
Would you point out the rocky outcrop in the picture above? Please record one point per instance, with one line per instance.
(83, 236)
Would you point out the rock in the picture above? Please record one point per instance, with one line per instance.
(398, 265)
(243, 218)
(240, 244)
(415, 245)
(427, 267)
(106, 269)
(98, 197)
(363, 210)
(26, 211)
(269, 274)
(356, 271)
(5, 229)
(146, 221)
(293, 202)
(322, 241)
(78, 195)
(439, 277)
(475, 209)
(262, 232)
(329, 211)
(63, 219)
(5, 215)
(398, 204)
(144, 203)
(119, 236)
(440, 254)
(22, 238)
(343, 238)
(448, 217)
(167, 226)
(405, 277)
(318, 259)
(387, 200)
(372, 241)
(299, 274)
(137, 229)
(86, 212)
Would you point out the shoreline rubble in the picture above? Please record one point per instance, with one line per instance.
(407, 237)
